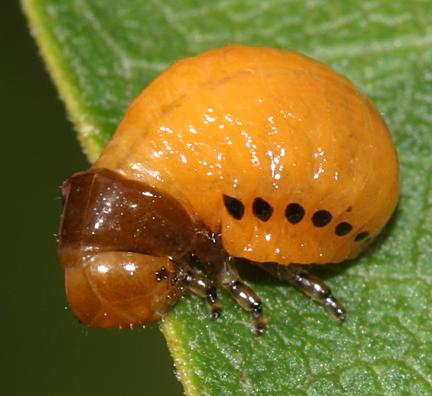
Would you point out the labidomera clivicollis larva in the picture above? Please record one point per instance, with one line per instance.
(238, 152)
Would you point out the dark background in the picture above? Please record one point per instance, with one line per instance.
(44, 350)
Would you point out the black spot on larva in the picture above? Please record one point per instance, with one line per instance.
(294, 213)
(262, 209)
(349, 209)
(361, 235)
(343, 228)
(161, 275)
(321, 218)
(234, 207)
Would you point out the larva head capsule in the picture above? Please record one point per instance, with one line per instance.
(117, 239)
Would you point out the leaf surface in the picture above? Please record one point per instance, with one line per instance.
(101, 56)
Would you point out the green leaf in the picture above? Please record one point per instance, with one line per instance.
(101, 56)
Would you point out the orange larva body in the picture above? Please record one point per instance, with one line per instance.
(246, 152)
(252, 122)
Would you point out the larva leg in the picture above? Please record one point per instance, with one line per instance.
(310, 285)
(220, 267)
(228, 277)
(200, 286)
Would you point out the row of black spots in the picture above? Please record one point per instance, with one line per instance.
(294, 213)
(261, 208)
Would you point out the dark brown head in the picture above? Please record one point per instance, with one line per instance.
(104, 211)
(116, 238)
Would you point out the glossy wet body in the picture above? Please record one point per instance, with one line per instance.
(243, 152)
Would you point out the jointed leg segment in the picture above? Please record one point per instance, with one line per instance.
(230, 280)
(220, 268)
(200, 286)
(310, 285)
